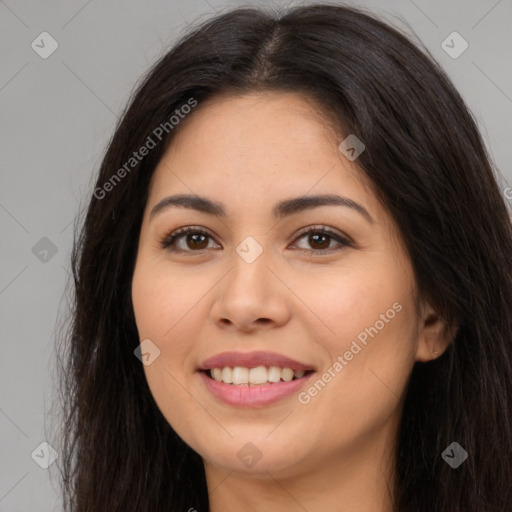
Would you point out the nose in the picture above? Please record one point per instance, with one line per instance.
(251, 297)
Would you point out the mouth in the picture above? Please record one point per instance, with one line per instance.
(254, 379)
(250, 394)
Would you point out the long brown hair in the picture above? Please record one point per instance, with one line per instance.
(428, 164)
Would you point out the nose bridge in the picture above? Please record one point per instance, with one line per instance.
(250, 262)
(250, 291)
(250, 250)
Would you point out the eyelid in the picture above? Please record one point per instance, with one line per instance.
(342, 239)
(323, 229)
(171, 236)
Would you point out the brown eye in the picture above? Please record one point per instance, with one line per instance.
(187, 239)
(196, 241)
(319, 240)
(193, 239)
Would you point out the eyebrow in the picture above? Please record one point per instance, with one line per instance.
(280, 210)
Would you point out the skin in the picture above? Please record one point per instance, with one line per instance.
(249, 152)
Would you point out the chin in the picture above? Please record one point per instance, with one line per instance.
(255, 456)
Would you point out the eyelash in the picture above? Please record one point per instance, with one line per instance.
(170, 238)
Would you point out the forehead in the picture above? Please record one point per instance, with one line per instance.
(259, 144)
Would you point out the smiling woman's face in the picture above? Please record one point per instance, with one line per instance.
(340, 301)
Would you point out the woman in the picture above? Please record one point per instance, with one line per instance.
(293, 283)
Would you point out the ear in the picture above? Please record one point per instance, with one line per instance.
(435, 335)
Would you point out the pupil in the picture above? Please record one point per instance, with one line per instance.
(314, 239)
(195, 240)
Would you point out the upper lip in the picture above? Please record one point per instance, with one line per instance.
(252, 360)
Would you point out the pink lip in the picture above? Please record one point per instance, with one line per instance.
(252, 360)
(253, 396)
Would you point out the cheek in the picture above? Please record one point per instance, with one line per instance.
(350, 300)
(166, 307)
(371, 356)
(372, 324)
(161, 299)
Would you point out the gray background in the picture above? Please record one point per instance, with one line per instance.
(57, 115)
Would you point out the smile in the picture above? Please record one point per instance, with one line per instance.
(248, 394)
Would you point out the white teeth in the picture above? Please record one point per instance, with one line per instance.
(239, 375)
(274, 374)
(287, 374)
(258, 375)
(217, 373)
(227, 375)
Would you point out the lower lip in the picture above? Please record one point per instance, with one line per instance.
(253, 396)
